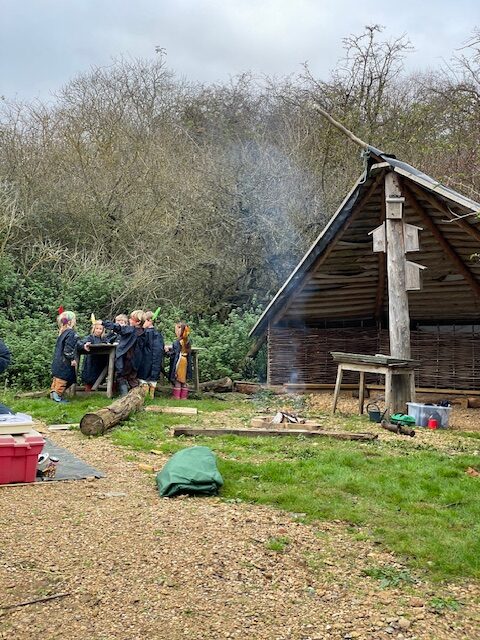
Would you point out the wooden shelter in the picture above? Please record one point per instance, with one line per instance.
(337, 297)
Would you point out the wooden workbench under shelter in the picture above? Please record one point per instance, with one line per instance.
(337, 298)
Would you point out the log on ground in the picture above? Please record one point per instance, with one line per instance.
(221, 385)
(338, 435)
(397, 428)
(100, 421)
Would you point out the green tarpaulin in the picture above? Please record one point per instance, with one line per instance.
(192, 471)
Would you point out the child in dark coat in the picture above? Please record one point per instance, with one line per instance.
(130, 349)
(65, 357)
(4, 356)
(152, 361)
(94, 364)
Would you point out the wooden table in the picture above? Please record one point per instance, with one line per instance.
(379, 364)
(108, 371)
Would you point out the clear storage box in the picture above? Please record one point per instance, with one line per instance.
(422, 412)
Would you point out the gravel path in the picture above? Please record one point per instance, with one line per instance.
(138, 566)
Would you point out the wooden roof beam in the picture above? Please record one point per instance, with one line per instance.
(382, 266)
(474, 232)
(442, 241)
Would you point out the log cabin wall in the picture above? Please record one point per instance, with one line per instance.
(450, 355)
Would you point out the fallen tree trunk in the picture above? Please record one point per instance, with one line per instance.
(97, 422)
(338, 435)
(224, 384)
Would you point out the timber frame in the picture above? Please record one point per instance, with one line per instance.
(339, 288)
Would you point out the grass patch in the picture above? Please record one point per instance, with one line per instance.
(414, 499)
(277, 544)
(389, 576)
(441, 605)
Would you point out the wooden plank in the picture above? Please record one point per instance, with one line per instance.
(63, 427)
(184, 431)
(182, 411)
(378, 358)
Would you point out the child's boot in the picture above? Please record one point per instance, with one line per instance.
(88, 388)
(123, 389)
(176, 393)
(151, 392)
(184, 393)
(57, 398)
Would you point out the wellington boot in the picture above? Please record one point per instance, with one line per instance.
(184, 393)
(151, 393)
(176, 393)
(123, 389)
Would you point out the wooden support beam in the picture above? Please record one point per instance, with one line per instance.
(398, 388)
(443, 242)
(472, 230)
(399, 318)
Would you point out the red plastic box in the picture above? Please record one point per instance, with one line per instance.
(19, 457)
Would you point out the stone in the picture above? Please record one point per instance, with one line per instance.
(404, 623)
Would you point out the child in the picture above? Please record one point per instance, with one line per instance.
(151, 365)
(180, 361)
(65, 357)
(129, 353)
(94, 364)
(121, 319)
(4, 356)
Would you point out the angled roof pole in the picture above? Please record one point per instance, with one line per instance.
(339, 126)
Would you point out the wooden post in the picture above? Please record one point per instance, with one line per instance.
(398, 314)
(111, 373)
(196, 373)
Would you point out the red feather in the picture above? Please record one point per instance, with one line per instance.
(60, 310)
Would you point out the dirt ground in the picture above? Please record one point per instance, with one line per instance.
(134, 565)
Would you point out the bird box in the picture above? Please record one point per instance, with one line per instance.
(394, 209)
(379, 238)
(412, 276)
(410, 235)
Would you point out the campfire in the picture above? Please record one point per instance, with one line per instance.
(283, 417)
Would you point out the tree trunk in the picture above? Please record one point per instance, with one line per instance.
(224, 384)
(97, 422)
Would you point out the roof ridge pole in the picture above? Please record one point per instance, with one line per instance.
(402, 386)
(339, 126)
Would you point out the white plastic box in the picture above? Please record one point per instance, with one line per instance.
(422, 412)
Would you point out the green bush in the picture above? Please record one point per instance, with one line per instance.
(224, 345)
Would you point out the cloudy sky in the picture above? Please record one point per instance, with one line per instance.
(44, 43)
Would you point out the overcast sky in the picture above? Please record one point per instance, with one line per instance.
(44, 43)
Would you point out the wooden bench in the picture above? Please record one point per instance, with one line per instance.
(378, 364)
